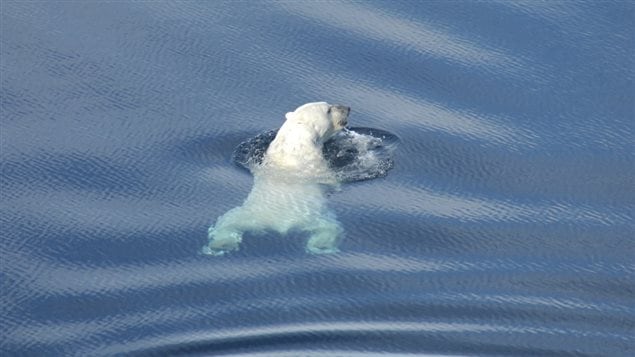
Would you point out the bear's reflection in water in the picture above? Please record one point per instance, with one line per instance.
(292, 177)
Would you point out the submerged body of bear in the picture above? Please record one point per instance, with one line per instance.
(288, 191)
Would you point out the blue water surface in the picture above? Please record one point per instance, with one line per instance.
(504, 228)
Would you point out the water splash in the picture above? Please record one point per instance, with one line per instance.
(355, 154)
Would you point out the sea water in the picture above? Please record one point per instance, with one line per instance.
(502, 226)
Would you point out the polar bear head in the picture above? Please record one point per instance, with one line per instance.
(298, 144)
(323, 119)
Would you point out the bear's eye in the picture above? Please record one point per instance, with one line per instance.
(328, 111)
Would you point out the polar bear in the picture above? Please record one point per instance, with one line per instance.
(289, 185)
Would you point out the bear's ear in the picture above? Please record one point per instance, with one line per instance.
(290, 115)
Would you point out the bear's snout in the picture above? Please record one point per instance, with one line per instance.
(343, 112)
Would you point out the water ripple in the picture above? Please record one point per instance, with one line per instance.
(366, 22)
(309, 333)
(504, 227)
(59, 279)
(420, 201)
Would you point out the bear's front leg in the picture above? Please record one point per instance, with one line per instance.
(324, 238)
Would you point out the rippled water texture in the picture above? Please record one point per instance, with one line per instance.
(504, 228)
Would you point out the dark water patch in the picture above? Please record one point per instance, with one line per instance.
(355, 155)
(73, 171)
(18, 103)
(210, 149)
(399, 316)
